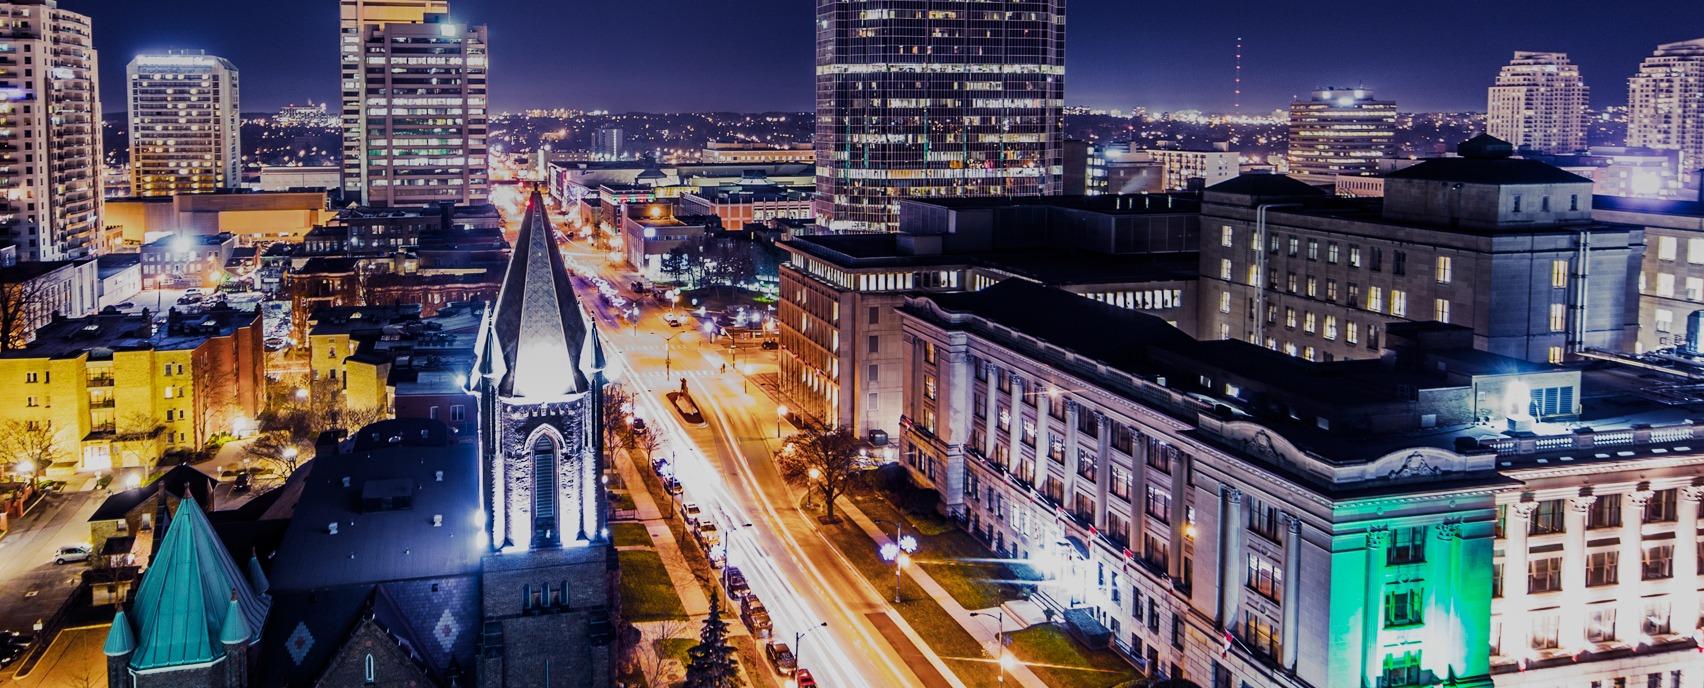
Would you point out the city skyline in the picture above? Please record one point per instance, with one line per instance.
(761, 59)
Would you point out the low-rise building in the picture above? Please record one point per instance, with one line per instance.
(248, 215)
(739, 206)
(1235, 516)
(33, 293)
(118, 393)
(650, 231)
(745, 152)
(838, 335)
(120, 277)
(187, 260)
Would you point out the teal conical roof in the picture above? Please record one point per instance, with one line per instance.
(120, 640)
(185, 596)
(235, 628)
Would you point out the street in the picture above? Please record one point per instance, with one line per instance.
(726, 468)
(32, 587)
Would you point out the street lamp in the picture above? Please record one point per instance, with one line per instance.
(799, 642)
(899, 552)
(1001, 656)
(780, 415)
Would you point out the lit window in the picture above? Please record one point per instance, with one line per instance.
(1558, 273)
(1441, 310)
(1445, 270)
(1558, 317)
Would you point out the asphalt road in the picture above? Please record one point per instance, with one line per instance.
(32, 587)
(726, 468)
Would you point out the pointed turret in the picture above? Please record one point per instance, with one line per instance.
(234, 630)
(183, 602)
(257, 577)
(120, 640)
(534, 341)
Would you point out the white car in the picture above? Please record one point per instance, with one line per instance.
(709, 535)
(71, 553)
(690, 512)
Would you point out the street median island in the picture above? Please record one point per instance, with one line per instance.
(686, 407)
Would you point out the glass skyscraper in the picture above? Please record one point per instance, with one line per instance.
(921, 98)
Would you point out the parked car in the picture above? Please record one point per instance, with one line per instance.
(757, 621)
(782, 657)
(661, 466)
(708, 535)
(690, 513)
(735, 583)
(672, 319)
(771, 345)
(803, 679)
(11, 653)
(71, 553)
(243, 483)
(673, 486)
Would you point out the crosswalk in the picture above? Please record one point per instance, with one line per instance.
(660, 376)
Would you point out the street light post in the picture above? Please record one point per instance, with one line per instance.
(899, 552)
(780, 415)
(799, 642)
(1001, 657)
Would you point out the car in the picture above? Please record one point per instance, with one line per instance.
(125, 306)
(708, 534)
(782, 657)
(71, 553)
(18, 638)
(771, 345)
(690, 512)
(803, 679)
(243, 483)
(639, 424)
(193, 291)
(672, 319)
(11, 653)
(661, 466)
(673, 486)
(275, 344)
(756, 619)
(735, 583)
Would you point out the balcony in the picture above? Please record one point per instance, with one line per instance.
(100, 381)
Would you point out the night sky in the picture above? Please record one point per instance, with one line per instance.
(752, 55)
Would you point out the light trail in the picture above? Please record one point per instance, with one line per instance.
(789, 611)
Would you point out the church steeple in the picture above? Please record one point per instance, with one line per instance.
(535, 340)
(539, 377)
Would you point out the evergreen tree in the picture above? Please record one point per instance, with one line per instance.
(711, 664)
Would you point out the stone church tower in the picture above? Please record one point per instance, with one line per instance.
(547, 588)
(539, 379)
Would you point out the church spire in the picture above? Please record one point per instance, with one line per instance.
(535, 342)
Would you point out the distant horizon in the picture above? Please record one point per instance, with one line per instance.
(695, 56)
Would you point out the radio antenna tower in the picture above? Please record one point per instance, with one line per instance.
(1236, 100)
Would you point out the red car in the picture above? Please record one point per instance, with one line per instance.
(803, 679)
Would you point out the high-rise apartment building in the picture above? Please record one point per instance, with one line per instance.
(185, 123)
(1539, 104)
(920, 98)
(1665, 102)
(607, 143)
(50, 131)
(1340, 131)
(414, 104)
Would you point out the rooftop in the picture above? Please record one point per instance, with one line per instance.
(427, 528)
(101, 334)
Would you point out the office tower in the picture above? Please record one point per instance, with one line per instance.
(414, 104)
(607, 143)
(185, 124)
(50, 132)
(1539, 104)
(1665, 102)
(1340, 131)
(955, 101)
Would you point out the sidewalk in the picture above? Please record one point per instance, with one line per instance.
(981, 628)
(686, 585)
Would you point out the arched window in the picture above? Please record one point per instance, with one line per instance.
(367, 670)
(545, 531)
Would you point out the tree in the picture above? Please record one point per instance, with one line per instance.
(22, 308)
(710, 663)
(822, 460)
(617, 403)
(676, 264)
(652, 662)
(29, 442)
(276, 450)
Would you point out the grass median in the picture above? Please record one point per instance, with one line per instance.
(1062, 662)
(629, 535)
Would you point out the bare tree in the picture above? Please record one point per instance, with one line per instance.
(34, 442)
(646, 442)
(617, 403)
(276, 450)
(23, 306)
(820, 460)
(654, 664)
